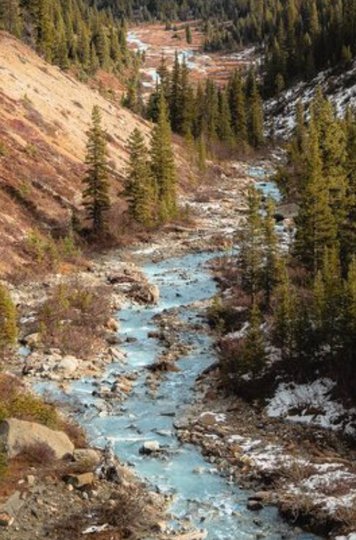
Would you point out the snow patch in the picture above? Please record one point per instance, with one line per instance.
(311, 404)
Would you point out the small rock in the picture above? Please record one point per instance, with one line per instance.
(112, 325)
(80, 481)
(33, 341)
(254, 505)
(30, 479)
(88, 456)
(6, 520)
(150, 447)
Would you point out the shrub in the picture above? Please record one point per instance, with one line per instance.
(3, 463)
(48, 253)
(26, 406)
(3, 149)
(16, 402)
(37, 454)
(73, 318)
(31, 150)
(8, 320)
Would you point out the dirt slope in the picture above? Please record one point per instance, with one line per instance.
(44, 116)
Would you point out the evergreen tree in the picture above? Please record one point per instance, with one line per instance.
(10, 19)
(96, 192)
(188, 34)
(256, 135)
(162, 164)
(271, 258)
(139, 186)
(251, 246)
(315, 223)
(285, 313)
(253, 354)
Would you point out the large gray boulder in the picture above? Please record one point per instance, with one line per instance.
(18, 434)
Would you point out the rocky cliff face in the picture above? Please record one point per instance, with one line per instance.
(44, 116)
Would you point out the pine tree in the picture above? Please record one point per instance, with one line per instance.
(285, 313)
(45, 30)
(162, 164)
(139, 186)
(316, 227)
(238, 108)
(251, 246)
(224, 129)
(188, 34)
(96, 192)
(201, 153)
(348, 228)
(8, 322)
(256, 135)
(253, 354)
(175, 109)
(10, 19)
(271, 256)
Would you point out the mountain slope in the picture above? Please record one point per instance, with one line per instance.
(44, 116)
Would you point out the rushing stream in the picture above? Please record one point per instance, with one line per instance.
(207, 500)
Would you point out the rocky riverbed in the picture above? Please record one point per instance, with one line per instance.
(135, 389)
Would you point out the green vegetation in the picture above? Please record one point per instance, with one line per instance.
(48, 253)
(15, 402)
(96, 192)
(69, 32)
(139, 188)
(306, 297)
(151, 176)
(232, 116)
(8, 321)
(73, 318)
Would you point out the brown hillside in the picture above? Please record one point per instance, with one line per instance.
(44, 116)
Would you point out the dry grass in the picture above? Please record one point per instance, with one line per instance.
(73, 318)
(125, 514)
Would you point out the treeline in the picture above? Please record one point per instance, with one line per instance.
(208, 114)
(298, 37)
(68, 32)
(305, 296)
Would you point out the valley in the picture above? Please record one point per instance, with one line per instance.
(177, 272)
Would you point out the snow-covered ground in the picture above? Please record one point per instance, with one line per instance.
(339, 88)
(312, 404)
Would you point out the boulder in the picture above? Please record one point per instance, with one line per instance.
(87, 456)
(150, 447)
(207, 419)
(145, 292)
(112, 324)
(6, 520)
(80, 481)
(33, 341)
(17, 434)
(254, 505)
(153, 294)
(68, 365)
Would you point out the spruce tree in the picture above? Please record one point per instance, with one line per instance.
(162, 164)
(256, 121)
(271, 256)
(96, 192)
(251, 246)
(139, 188)
(253, 354)
(285, 313)
(316, 227)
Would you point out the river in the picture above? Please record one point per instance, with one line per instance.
(205, 500)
